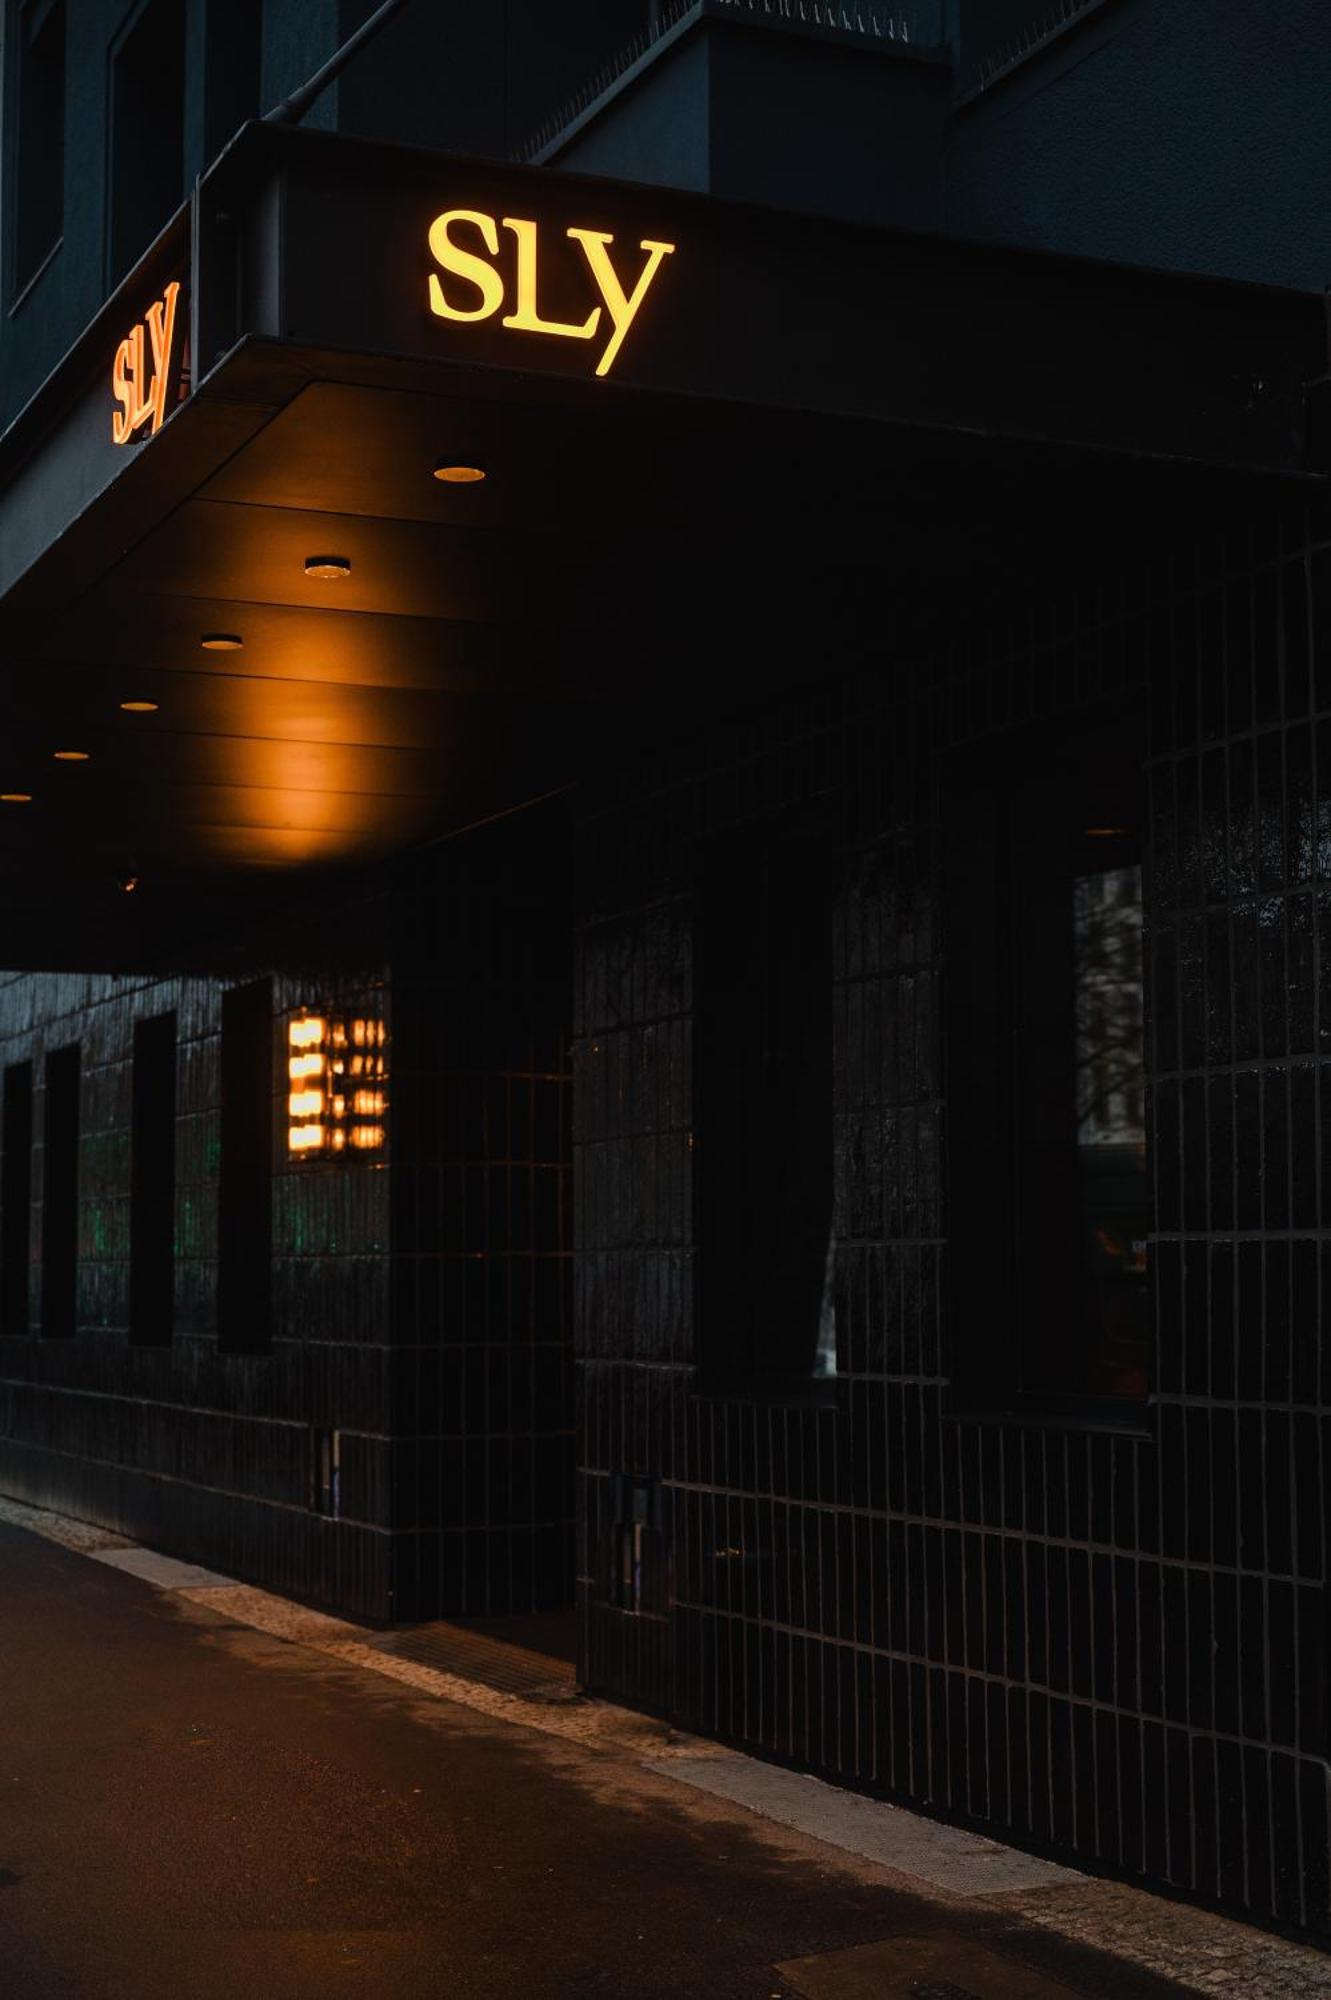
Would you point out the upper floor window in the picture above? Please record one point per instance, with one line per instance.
(1049, 1189)
(147, 129)
(39, 105)
(233, 62)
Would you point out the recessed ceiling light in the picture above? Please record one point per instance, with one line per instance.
(70, 756)
(16, 798)
(327, 566)
(223, 642)
(459, 475)
(139, 707)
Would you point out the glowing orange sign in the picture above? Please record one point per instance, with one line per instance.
(139, 378)
(337, 1071)
(487, 281)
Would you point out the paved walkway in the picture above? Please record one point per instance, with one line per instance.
(205, 1791)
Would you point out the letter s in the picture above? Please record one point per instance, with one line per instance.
(121, 419)
(465, 264)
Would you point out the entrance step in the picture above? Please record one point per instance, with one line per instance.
(482, 1655)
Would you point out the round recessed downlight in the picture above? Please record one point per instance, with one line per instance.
(459, 475)
(139, 707)
(223, 642)
(70, 756)
(327, 567)
(16, 798)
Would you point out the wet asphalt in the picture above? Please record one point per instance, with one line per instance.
(190, 1810)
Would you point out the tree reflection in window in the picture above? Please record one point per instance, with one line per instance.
(1111, 1121)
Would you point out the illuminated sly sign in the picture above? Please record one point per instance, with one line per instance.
(143, 368)
(478, 287)
(337, 1071)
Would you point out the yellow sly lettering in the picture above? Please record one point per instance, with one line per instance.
(161, 330)
(527, 318)
(465, 264)
(621, 306)
(139, 387)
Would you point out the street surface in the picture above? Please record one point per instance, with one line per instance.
(191, 1809)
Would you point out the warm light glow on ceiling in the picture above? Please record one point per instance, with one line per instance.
(70, 756)
(139, 707)
(459, 475)
(327, 567)
(16, 798)
(221, 642)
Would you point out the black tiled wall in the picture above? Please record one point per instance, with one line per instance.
(483, 1419)
(186, 1448)
(1107, 1643)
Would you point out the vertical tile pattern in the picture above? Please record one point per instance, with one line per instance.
(1108, 1643)
(482, 1376)
(203, 1453)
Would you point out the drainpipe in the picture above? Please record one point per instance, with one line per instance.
(292, 109)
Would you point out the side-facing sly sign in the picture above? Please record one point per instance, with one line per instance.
(141, 374)
(476, 287)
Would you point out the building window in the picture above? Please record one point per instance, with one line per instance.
(39, 198)
(15, 1197)
(245, 1222)
(147, 130)
(153, 1181)
(763, 1125)
(234, 48)
(1049, 1201)
(60, 1193)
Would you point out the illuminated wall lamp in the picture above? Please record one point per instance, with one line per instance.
(221, 642)
(326, 568)
(459, 475)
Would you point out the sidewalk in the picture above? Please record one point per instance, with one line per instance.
(206, 1790)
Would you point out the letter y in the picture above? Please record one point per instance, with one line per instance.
(621, 306)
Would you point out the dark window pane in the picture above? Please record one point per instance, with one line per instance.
(244, 1280)
(1048, 1191)
(60, 1193)
(147, 131)
(763, 1050)
(153, 1181)
(40, 196)
(16, 1198)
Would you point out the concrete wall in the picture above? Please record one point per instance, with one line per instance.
(1186, 133)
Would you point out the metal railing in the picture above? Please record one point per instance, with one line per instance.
(916, 24)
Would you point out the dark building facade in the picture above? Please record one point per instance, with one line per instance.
(725, 1021)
